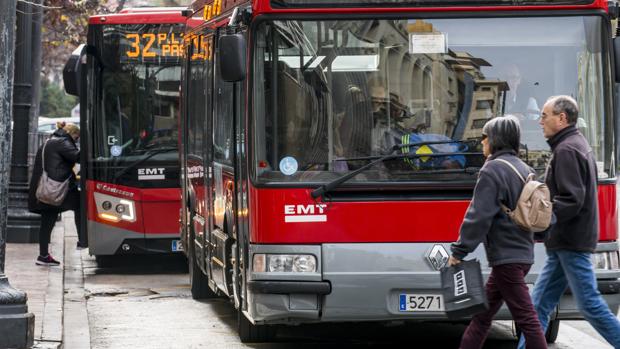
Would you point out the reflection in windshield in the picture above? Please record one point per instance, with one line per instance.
(140, 106)
(329, 96)
(139, 99)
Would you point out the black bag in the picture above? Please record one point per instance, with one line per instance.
(463, 290)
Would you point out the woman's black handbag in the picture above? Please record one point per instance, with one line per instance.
(463, 290)
(50, 191)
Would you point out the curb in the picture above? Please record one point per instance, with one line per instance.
(76, 325)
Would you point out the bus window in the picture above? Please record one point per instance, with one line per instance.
(335, 91)
(223, 122)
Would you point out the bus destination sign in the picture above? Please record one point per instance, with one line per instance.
(153, 45)
(211, 9)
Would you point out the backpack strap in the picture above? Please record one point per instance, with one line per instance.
(505, 208)
(514, 169)
(43, 155)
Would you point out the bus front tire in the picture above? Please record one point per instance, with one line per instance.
(250, 333)
(552, 331)
(198, 280)
(551, 335)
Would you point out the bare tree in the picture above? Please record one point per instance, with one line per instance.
(65, 26)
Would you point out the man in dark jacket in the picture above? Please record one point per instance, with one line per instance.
(60, 156)
(572, 178)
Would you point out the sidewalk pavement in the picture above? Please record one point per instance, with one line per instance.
(43, 285)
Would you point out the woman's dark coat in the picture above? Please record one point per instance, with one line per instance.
(486, 222)
(61, 154)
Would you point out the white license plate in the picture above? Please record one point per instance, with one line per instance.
(420, 302)
(177, 246)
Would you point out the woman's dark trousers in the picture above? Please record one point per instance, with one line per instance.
(48, 220)
(506, 284)
(49, 217)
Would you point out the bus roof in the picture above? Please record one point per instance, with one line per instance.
(374, 6)
(140, 15)
(151, 9)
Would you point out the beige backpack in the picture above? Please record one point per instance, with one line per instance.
(534, 208)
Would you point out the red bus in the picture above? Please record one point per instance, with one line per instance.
(127, 77)
(330, 148)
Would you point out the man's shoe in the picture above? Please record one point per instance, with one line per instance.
(47, 260)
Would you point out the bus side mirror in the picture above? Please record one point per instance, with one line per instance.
(71, 72)
(232, 57)
(617, 57)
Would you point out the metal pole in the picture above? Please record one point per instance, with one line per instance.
(7, 22)
(22, 226)
(33, 139)
(22, 94)
(16, 325)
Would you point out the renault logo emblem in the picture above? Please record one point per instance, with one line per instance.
(438, 257)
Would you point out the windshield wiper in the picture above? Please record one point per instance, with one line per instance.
(325, 188)
(147, 156)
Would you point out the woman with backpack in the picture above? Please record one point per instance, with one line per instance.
(58, 154)
(509, 249)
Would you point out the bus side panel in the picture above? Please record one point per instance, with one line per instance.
(608, 212)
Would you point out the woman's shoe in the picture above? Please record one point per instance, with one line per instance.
(47, 260)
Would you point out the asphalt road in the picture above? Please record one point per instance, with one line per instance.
(145, 302)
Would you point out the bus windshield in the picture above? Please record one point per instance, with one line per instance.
(139, 90)
(331, 96)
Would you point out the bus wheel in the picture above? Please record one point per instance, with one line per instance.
(250, 333)
(552, 331)
(551, 335)
(198, 280)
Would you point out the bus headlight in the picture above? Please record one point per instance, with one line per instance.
(607, 260)
(614, 260)
(115, 209)
(128, 213)
(279, 263)
(599, 260)
(284, 263)
(304, 264)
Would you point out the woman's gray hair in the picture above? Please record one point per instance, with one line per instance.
(503, 133)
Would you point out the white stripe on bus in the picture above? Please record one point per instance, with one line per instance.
(143, 177)
(306, 218)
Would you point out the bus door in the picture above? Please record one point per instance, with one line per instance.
(207, 251)
(198, 158)
(223, 177)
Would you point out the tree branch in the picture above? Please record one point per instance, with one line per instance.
(40, 5)
(121, 4)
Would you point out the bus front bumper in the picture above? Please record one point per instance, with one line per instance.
(363, 282)
(105, 240)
